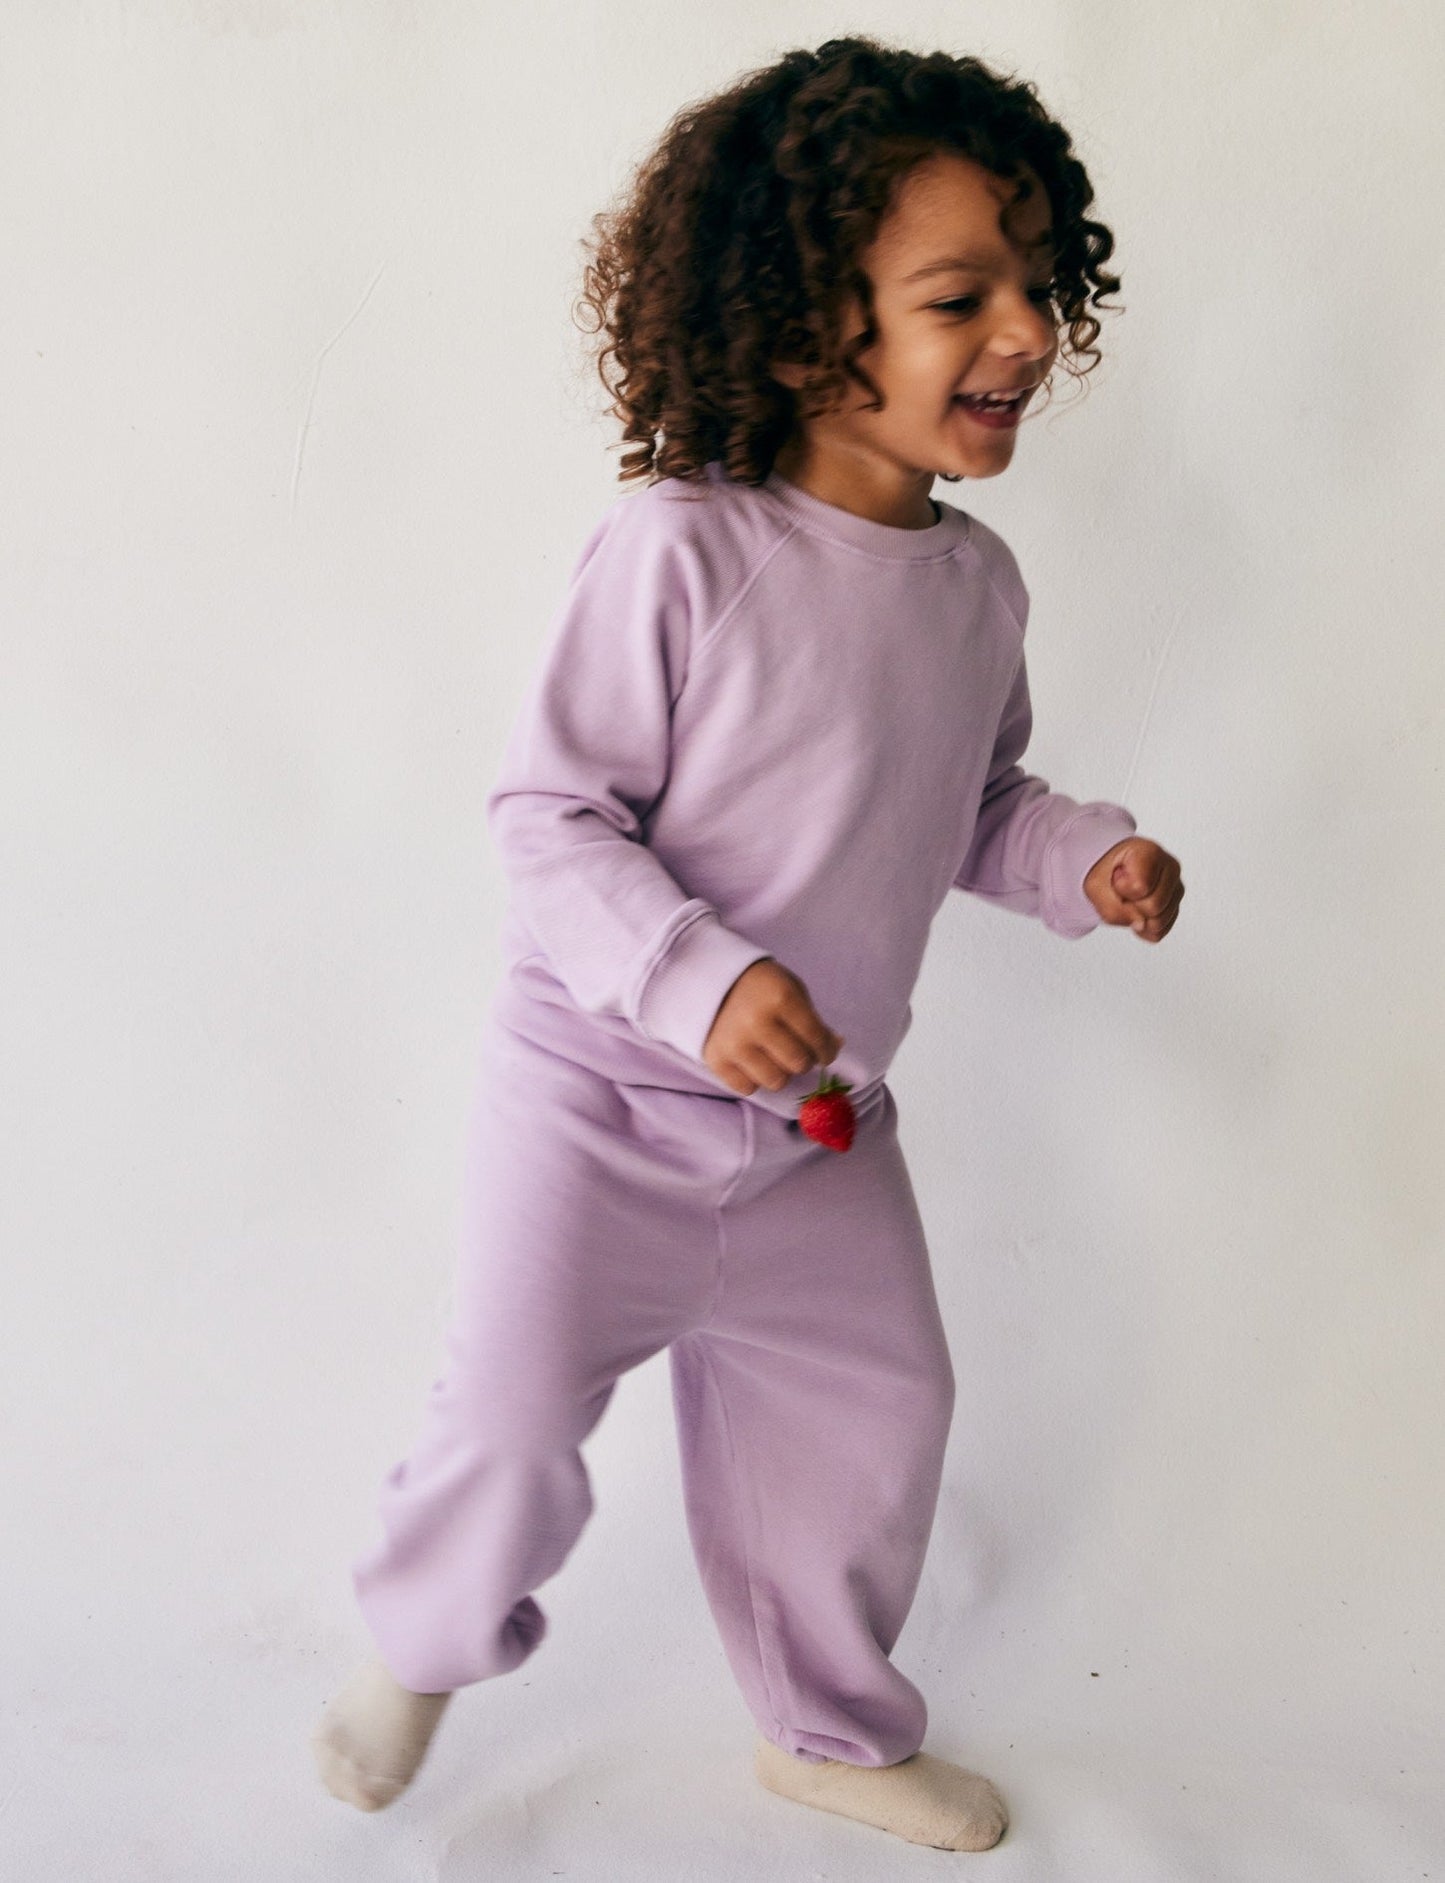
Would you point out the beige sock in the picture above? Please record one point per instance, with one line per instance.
(922, 1798)
(372, 1737)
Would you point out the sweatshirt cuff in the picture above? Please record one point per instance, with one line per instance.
(681, 997)
(1076, 847)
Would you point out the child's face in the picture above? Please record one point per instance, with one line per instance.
(946, 330)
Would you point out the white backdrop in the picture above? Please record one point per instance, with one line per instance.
(299, 445)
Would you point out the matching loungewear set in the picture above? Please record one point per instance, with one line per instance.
(761, 726)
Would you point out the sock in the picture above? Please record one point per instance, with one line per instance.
(922, 1798)
(372, 1737)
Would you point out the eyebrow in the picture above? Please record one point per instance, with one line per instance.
(946, 264)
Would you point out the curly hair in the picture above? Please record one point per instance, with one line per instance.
(741, 234)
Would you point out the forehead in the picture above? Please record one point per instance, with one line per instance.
(948, 204)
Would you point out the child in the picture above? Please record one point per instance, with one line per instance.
(780, 715)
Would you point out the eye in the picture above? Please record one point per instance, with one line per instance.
(969, 303)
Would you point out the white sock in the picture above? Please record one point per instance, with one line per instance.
(372, 1737)
(926, 1800)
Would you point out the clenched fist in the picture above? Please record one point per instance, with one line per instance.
(1137, 882)
(766, 1031)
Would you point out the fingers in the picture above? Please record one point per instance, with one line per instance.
(781, 1054)
(761, 1068)
(780, 1037)
(1144, 868)
(1163, 896)
(1149, 889)
(799, 1018)
(1154, 923)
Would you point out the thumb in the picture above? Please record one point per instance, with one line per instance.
(1128, 882)
(1127, 878)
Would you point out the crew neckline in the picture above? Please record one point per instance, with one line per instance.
(878, 539)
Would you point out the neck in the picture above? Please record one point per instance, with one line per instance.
(861, 483)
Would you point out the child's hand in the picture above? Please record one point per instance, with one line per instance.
(766, 1031)
(1137, 882)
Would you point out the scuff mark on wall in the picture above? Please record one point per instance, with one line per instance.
(1149, 708)
(316, 381)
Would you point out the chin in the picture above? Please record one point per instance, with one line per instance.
(981, 470)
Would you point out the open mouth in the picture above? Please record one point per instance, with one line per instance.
(999, 411)
(992, 401)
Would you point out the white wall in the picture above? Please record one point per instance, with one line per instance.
(299, 443)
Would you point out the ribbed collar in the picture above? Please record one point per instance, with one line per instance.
(878, 539)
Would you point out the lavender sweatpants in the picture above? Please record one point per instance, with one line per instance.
(811, 1380)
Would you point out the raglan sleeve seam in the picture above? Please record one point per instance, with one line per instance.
(588, 757)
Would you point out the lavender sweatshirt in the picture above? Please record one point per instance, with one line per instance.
(764, 726)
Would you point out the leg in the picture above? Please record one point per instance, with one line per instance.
(813, 1411)
(588, 1243)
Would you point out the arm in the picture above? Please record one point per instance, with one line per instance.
(587, 759)
(1031, 847)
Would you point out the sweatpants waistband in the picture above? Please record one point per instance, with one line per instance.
(607, 1045)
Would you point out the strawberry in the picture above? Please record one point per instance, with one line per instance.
(826, 1113)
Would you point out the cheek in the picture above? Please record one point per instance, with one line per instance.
(941, 357)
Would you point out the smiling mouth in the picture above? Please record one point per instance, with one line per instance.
(993, 401)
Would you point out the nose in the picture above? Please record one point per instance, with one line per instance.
(1027, 331)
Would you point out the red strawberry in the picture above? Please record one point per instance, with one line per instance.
(827, 1113)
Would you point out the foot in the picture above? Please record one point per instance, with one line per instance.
(922, 1798)
(372, 1737)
